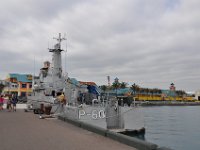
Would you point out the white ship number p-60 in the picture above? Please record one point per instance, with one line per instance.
(95, 114)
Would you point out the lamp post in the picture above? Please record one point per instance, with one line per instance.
(116, 84)
(134, 95)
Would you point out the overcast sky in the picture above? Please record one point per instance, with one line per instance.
(148, 42)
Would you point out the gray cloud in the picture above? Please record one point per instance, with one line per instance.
(151, 43)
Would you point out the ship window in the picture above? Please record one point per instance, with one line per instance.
(23, 85)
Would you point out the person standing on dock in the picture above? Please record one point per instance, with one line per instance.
(9, 107)
(14, 102)
(61, 98)
(1, 102)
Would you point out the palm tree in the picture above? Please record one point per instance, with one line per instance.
(123, 85)
(180, 92)
(155, 91)
(159, 91)
(147, 90)
(142, 90)
(151, 92)
(103, 88)
(135, 89)
(115, 86)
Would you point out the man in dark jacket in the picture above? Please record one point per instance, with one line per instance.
(14, 101)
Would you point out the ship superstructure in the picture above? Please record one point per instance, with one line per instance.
(51, 82)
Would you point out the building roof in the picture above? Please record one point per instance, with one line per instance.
(21, 77)
(120, 91)
(87, 83)
(74, 81)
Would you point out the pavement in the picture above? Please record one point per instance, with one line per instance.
(25, 131)
(18, 106)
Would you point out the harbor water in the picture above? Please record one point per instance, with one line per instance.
(175, 127)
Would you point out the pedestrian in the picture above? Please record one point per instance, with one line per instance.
(14, 101)
(61, 98)
(9, 107)
(1, 102)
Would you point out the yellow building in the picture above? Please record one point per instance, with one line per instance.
(20, 84)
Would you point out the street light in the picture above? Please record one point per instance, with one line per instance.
(134, 94)
(134, 85)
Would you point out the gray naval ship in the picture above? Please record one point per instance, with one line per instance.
(52, 84)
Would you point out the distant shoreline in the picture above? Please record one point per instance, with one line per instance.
(168, 103)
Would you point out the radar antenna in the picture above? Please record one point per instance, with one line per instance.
(59, 39)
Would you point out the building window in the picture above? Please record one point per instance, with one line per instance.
(14, 85)
(30, 86)
(23, 85)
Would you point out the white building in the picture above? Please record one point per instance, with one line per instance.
(197, 95)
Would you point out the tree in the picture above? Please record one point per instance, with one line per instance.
(159, 91)
(147, 90)
(123, 85)
(180, 92)
(103, 88)
(135, 89)
(142, 90)
(151, 92)
(115, 85)
(154, 91)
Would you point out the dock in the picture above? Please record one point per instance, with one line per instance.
(23, 130)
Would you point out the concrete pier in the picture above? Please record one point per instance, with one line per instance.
(23, 130)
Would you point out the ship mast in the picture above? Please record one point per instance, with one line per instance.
(56, 57)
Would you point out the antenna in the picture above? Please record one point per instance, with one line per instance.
(33, 78)
(34, 66)
(59, 39)
(65, 54)
(48, 44)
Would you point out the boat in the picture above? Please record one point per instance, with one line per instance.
(56, 94)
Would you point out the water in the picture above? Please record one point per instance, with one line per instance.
(176, 127)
